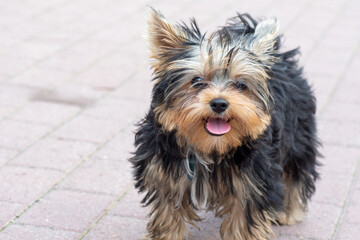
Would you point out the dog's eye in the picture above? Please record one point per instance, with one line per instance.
(242, 86)
(197, 82)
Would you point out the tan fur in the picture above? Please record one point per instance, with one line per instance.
(187, 111)
(265, 35)
(161, 36)
(172, 210)
(295, 210)
(235, 226)
(245, 115)
(168, 218)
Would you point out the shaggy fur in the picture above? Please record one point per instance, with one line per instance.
(260, 172)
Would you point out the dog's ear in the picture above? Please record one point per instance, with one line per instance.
(162, 36)
(265, 37)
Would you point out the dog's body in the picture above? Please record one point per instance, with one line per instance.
(231, 128)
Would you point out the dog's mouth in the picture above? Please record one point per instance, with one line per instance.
(216, 126)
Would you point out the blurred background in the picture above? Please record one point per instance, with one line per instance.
(75, 77)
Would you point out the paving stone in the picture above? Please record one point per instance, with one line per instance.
(347, 92)
(85, 128)
(120, 147)
(140, 83)
(22, 32)
(35, 50)
(68, 61)
(25, 185)
(58, 34)
(41, 78)
(172, 10)
(356, 184)
(318, 224)
(335, 132)
(315, 27)
(89, 55)
(66, 210)
(323, 86)
(286, 237)
(18, 135)
(107, 177)
(115, 33)
(130, 206)
(115, 227)
(348, 231)
(12, 66)
(98, 52)
(120, 110)
(285, 13)
(340, 112)
(78, 58)
(103, 77)
(352, 209)
(322, 83)
(54, 153)
(29, 232)
(321, 102)
(6, 111)
(332, 188)
(15, 96)
(8, 211)
(73, 94)
(46, 113)
(331, 69)
(338, 159)
(109, 73)
(5, 155)
(349, 37)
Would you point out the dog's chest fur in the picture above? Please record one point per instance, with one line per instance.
(214, 179)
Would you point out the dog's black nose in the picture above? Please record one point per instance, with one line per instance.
(219, 105)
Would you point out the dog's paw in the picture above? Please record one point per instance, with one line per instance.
(292, 218)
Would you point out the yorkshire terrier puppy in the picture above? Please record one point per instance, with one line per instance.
(231, 128)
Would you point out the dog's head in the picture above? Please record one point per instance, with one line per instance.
(212, 90)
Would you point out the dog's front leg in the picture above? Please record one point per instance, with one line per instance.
(239, 225)
(168, 222)
(169, 199)
(251, 205)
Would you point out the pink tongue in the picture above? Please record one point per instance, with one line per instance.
(217, 126)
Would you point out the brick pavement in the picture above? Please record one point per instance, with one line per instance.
(74, 78)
